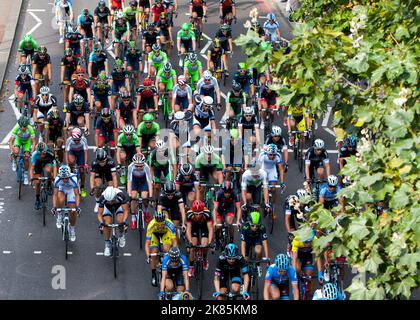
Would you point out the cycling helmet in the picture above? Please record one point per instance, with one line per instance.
(272, 149)
(236, 86)
(255, 24)
(185, 26)
(101, 4)
(97, 47)
(118, 63)
(224, 27)
(264, 45)
(351, 141)
(150, 26)
(330, 291)
(160, 216)
(132, 3)
(120, 15)
(276, 131)
(174, 254)
(271, 16)
(161, 145)
(126, 95)
(209, 149)
(22, 69)
(241, 66)
(332, 180)
(197, 206)
(234, 134)
(319, 144)
(248, 110)
(169, 187)
(216, 43)
(64, 171)
(44, 90)
(78, 100)
(105, 113)
(23, 121)
(198, 100)
(110, 193)
(207, 100)
(54, 115)
(227, 186)
(132, 45)
(179, 115)
(42, 49)
(254, 218)
(148, 117)
(147, 82)
(192, 57)
(301, 193)
(41, 147)
(76, 133)
(181, 80)
(27, 38)
(167, 67)
(186, 169)
(68, 52)
(74, 30)
(207, 75)
(139, 158)
(100, 154)
(231, 250)
(162, 15)
(156, 47)
(129, 129)
(282, 261)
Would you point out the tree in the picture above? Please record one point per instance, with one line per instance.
(362, 57)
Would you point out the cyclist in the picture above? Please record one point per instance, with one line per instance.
(119, 81)
(208, 86)
(98, 61)
(128, 145)
(41, 66)
(42, 162)
(225, 204)
(303, 258)
(199, 232)
(198, 10)
(204, 117)
(102, 94)
(66, 194)
(159, 230)
(24, 85)
(174, 273)
(276, 138)
(256, 27)
(179, 134)
(162, 162)
(126, 111)
(147, 97)
(272, 164)
(186, 41)
(156, 59)
(187, 183)
(269, 100)
(144, 10)
(253, 179)
(277, 280)
(315, 159)
(63, 13)
(116, 6)
(132, 63)
(69, 66)
(76, 154)
(102, 15)
(164, 27)
(227, 10)
(328, 193)
(208, 163)
(113, 202)
(156, 10)
(148, 132)
(347, 150)
(131, 14)
(23, 137)
(214, 57)
(86, 24)
(248, 131)
(103, 172)
(165, 81)
(231, 266)
(224, 34)
(171, 201)
(139, 181)
(27, 47)
(106, 131)
(79, 85)
(235, 101)
(149, 38)
(171, 8)
(329, 291)
(120, 32)
(182, 95)
(254, 236)
(193, 69)
(232, 158)
(244, 78)
(296, 116)
(78, 115)
(43, 103)
(73, 41)
(272, 28)
(54, 133)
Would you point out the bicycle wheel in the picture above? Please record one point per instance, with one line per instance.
(166, 111)
(20, 180)
(300, 155)
(115, 254)
(65, 230)
(199, 278)
(140, 224)
(44, 200)
(295, 149)
(272, 220)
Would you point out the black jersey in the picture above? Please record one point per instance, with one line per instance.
(120, 199)
(109, 166)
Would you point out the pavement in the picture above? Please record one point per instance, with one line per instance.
(30, 253)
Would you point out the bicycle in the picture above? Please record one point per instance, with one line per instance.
(43, 195)
(305, 286)
(315, 187)
(298, 137)
(196, 29)
(220, 72)
(159, 265)
(114, 242)
(334, 275)
(231, 296)
(255, 272)
(166, 111)
(199, 267)
(271, 215)
(65, 222)
(209, 194)
(20, 171)
(141, 223)
(268, 123)
(224, 234)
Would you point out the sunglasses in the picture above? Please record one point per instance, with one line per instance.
(248, 115)
(44, 94)
(148, 122)
(76, 140)
(139, 165)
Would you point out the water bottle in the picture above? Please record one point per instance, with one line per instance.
(326, 276)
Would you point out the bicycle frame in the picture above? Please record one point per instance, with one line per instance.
(65, 222)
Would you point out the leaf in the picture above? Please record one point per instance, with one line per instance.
(377, 74)
(404, 287)
(369, 180)
(399, 199)
(357, 290)
(359, 63)
(357, 228)
(401, 32)
(402, 144)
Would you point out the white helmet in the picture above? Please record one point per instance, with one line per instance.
(110, 193)
(207, 75)
(301, 193)
(319, 144)
(332, 180)
(139, 158)
(248, 110)
(120, 15)
(276, 131)
(208, 100)
(208, 149)
(64, 171)
(161, 145)
(179, 115)
(44, 90)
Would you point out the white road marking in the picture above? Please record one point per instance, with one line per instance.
(127, 254)
(8, 187)
(69, 252)
(36, 10)
(99, 253)
(327, 117)
(7, 252)
(331, 132)
(37, 252)
(39, 22)
(17, 114)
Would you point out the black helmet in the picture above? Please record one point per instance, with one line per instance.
(169, 187)
(186, 169)
(174, 254)
(100, 154)
(227, 186)
(42, 49)
(236, 86)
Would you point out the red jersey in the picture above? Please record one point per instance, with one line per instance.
(116, 4)
(156, 11)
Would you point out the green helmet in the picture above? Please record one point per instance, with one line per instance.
(102, 77)
(23, 121)
(132, 44)
(264, 45)
(27, 38)
(185, 26)
(234, 133)
(118, 63)
(241, 65)
(148, 117)
(255, 218)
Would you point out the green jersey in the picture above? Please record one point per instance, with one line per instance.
(201, 162)
(123, 142)
(192, 69)
(130, 14)
(121, 28)
(166, 77)
(185, 37)
(143, 131)
(28, 46)
(158, 60)
(236, 100)
(158, 161)
(23, 136)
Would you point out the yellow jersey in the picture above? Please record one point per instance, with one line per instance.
(300, 246)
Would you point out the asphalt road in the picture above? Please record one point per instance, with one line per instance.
(29, 251)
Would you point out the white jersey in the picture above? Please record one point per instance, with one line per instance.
(143, 173)
(63, 10)
(182, 93)
(213, 85)
(76, 147)
(249, 180)
(70, 184)
(267, 163)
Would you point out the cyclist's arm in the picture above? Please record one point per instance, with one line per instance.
(163, 280)
(77, 196)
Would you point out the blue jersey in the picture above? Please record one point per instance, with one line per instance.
(274, 277)
(271, 28)
(181, 266)
(327, 194)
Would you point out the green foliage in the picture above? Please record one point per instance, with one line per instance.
(363, 56)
